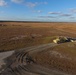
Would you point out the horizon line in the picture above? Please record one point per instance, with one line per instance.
(34, 21)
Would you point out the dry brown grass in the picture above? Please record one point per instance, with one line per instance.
(19, 35)
(40, 31)
(61, 57)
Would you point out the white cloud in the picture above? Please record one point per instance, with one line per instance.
(72, 17)
(30, 4)
(66, 15)
(43, 3)
(33, 4)
(37, 11)
(3, 3)
(60, 14)
(47, 16)
(17, 1)
(73, 10)
(54, 13)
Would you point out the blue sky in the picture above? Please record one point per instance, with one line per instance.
(38, 10)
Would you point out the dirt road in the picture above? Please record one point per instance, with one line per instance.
(20, 63)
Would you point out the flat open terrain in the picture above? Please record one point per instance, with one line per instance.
(16, 35)
(35, 53)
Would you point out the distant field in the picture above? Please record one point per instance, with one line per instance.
(15, 35)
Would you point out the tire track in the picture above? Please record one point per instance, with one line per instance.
(25, 65)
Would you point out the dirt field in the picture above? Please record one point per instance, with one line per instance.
(38, 37)
(15, 35)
